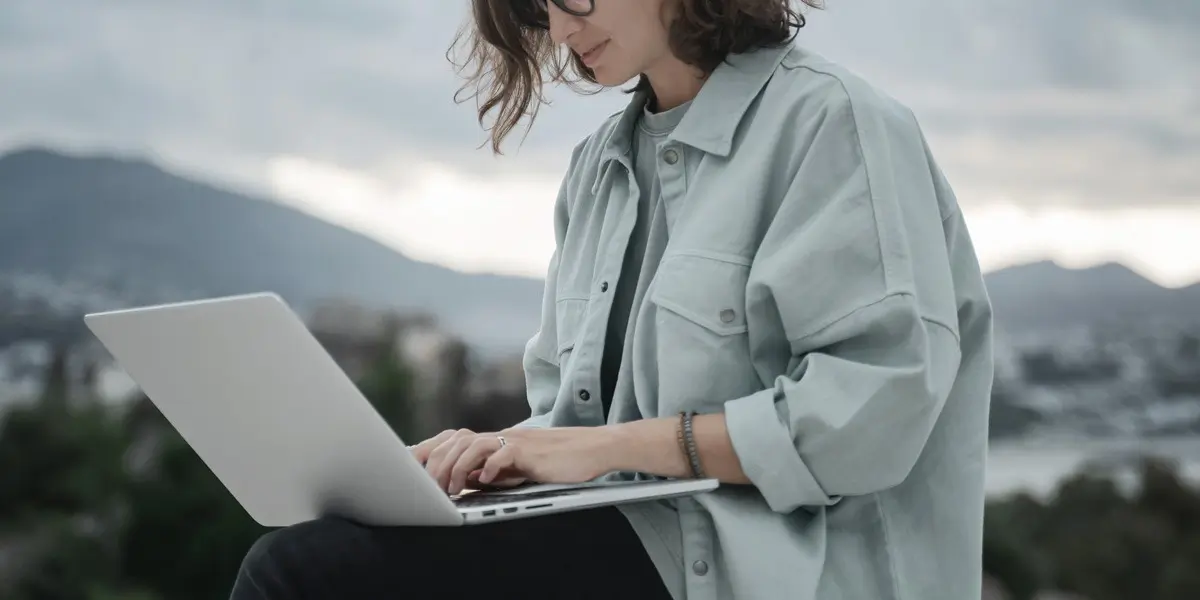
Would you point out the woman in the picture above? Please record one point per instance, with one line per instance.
(760, 276)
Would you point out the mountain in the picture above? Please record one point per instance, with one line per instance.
(1045, 295)
(126, 231)
(117, 232)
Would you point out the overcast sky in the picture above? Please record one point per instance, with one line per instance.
(1069, 128)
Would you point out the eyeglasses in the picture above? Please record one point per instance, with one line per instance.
(536, 13)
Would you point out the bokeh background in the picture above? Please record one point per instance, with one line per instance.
(160, 150)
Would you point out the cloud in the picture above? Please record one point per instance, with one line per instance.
(1083, 106)
(344, 82)
(1002, 45)
(1089, 104)
(430, 213)
(353, 83)
(1147, 240)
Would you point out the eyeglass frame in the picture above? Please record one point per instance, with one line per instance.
(562, 5)
(532, 18)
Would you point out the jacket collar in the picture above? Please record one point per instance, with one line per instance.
(713, 118)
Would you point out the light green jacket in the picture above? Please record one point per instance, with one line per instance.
(818, 286)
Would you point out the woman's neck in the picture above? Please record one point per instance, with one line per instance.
(674, 83)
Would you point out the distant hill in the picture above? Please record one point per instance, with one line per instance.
(1046, 295)
(134, 232)
(118, 231)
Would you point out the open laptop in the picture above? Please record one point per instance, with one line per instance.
(288, 433)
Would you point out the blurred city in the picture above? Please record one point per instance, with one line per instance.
(156, 152)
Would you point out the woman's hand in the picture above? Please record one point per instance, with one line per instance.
(448, 441)
(456, 459)
(460, 458)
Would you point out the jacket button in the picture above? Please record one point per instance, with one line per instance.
(671, 156)
(728, 315)
(604, 286)
(700, 568)
(584, 395)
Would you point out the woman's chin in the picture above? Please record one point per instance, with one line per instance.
(610, 77)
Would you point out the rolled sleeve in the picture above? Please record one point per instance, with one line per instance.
(852, 279)
(768, 454)
(854, 415)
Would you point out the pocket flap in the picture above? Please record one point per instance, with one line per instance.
(568, 314)
(710, 292)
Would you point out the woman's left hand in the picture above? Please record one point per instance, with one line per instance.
(550, 455)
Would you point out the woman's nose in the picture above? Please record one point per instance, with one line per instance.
(562, 24)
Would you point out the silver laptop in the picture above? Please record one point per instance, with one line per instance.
(288, 433)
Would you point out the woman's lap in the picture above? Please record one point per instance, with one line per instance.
(578, 555)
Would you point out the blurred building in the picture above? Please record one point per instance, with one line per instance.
(495, 396)
(449, 390)
(26, 366)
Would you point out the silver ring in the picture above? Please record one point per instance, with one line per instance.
(503, 442)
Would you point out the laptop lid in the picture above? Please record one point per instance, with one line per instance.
(270, 412)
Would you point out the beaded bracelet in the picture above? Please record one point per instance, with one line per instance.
(687, 443)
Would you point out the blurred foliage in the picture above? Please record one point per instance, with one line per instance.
(1100, 538)
(90, 515)
(82, 525)
(186, 536)
(389, 387)
(58, 457)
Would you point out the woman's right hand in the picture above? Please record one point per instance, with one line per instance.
(442, 451)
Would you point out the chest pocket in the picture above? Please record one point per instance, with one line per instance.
(709, 292)
(701, 326)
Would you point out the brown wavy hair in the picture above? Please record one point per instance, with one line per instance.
(509, 62)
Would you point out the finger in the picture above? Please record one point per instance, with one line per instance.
(421, 451)
(446, 444)
(502, 460)
(505, 480)
(473, 478)
(444, 456)
(471, 459)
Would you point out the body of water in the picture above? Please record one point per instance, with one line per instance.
(1038, 465)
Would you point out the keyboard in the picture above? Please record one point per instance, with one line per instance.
(477, 499)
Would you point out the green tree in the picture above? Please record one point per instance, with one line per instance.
(1096, 539)
(186, 534)
(59, 457)
(61, 490)
(1009, 554)
(388, 385)
(1180, 578)
(55, 461)
(70, 565)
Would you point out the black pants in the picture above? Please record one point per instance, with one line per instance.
(574, 555)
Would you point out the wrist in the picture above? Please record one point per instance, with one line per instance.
(648, 446)
(617, 448)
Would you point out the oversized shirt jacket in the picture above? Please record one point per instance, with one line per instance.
(818, 286)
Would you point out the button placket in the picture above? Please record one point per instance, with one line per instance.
(672, 181)
(589, 348)
(697, 550)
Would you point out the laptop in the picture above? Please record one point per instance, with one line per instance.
(289, 434)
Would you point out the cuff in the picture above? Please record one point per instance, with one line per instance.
(767, 453)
